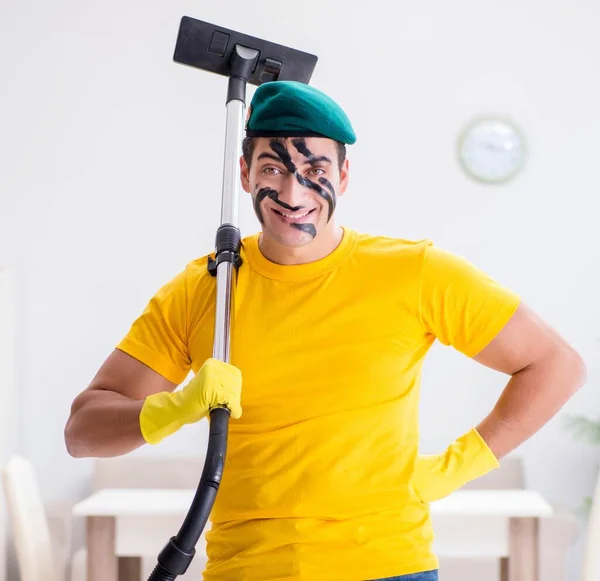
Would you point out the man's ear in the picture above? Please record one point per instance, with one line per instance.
(244, 174)
(344, 177)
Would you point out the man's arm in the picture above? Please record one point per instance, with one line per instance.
(546, 371)
(104, 419)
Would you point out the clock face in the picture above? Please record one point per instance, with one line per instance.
(491, 150)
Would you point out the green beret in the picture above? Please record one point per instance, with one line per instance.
(294, 109)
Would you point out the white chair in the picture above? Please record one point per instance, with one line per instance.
(37, 556)
(591, 557)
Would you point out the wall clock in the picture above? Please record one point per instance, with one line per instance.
(491, 150)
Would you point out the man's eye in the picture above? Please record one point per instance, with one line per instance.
(317, 171)
(271, 170)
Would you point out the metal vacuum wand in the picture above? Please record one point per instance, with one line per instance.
(244, 59)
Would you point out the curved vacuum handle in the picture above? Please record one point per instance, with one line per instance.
(201, 506)
(178, 553)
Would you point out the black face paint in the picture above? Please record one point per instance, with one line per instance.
(300, 145)
(308, 228)
(284, 157)
(260, 196)
(274, 195)
(330, 199)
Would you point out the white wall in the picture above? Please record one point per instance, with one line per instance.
(111, 172)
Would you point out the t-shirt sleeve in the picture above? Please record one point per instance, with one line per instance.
(461, 305)
(159, 336)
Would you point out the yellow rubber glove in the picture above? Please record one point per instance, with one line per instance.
(466, 459)
(217, 383)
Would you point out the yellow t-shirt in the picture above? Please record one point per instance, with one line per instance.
(317, 480)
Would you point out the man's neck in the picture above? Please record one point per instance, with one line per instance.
(322, 246)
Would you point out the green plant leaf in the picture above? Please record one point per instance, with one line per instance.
(584, 509)
(584, 428)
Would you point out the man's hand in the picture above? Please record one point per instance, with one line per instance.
(216, 384)
(466, 459)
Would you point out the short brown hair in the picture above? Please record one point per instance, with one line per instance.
(249, 142)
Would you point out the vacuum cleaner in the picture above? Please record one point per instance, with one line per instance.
(243, 59)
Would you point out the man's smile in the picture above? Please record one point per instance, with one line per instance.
(293, 218)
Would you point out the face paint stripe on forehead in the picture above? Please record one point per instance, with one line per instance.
(328, 185)
(300, 145)
(283, 154)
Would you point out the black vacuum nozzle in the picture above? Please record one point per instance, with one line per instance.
(213, 48)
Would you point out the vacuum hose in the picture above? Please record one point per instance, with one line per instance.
(178, 553)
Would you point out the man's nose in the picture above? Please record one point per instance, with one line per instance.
(293, 193)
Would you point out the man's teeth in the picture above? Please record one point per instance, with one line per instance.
(294, 216)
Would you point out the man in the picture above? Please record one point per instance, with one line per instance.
(323, 480)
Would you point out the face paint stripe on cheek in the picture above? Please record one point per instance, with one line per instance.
(330, 199)
(274, 195)
(327, 184)
(260, 196)
(333, 199)
(300, 145)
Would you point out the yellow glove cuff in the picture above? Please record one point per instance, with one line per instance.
(466, 459)
(161, 416)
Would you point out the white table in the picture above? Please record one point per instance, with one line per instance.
(126, 524)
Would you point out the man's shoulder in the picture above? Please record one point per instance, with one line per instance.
(389, 245)
(195, 274)
(197, 270)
